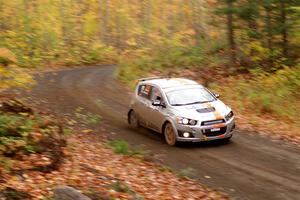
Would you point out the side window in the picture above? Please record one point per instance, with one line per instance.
(155, 94)
(145, 91)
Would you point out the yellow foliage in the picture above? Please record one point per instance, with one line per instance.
(10, 74)
(256, 51)
(7, 57)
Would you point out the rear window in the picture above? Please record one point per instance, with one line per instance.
(145, 91)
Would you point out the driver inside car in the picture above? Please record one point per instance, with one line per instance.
(156, 95)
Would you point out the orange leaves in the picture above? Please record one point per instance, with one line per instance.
(92, 166)
(7, 57)
(36, 136)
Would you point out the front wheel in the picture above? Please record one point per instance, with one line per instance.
(170, 136)
(133, 120)
(227, 140)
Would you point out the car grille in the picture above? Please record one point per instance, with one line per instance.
(209, 133)
(212, 122)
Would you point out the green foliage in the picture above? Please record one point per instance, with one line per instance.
(165, 168)
(14, 133)
(67, 131)
(12, 194)
(120, 187)
(188, 172)
(5, 163)
(92, 118)
(176, 54)
(87, 117)
(277, 94)
(23, 132)
(259, 38)
(122, 147)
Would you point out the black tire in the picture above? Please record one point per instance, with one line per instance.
(227, 140)
(169, 134)
(133, 120)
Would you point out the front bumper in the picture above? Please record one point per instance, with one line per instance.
(199, 135)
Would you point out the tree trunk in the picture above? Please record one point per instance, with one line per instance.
(63, 22)
(1, 17)
(103, 15)
(80, 17)
(231, 34)
(284, 28)
(268, 26)
(27, 28)
(146, 20)
(2, 22)
(198, 22)
(252, 24)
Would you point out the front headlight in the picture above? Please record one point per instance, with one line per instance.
(186, 121)
(229, 116)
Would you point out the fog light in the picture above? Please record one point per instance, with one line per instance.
(185, 121)
(186, 134)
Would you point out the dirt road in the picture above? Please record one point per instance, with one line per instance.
(249, 167)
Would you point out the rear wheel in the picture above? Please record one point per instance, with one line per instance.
(170, 136)
(133, 120)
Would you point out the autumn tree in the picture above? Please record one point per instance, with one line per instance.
(229, 10)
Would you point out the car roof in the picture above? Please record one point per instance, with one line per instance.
(165, 83)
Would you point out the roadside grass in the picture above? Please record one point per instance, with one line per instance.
(188, 172)
(122, 147)
(120, 187)
(164, 168)
(92, 119)
(87, 117)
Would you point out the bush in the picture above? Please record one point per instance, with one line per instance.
(23, 132)
(277, 94)
(100, 53)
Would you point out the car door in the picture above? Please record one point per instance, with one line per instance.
(143, 103)
(155, 114)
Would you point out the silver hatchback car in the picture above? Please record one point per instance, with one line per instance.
(181, 109)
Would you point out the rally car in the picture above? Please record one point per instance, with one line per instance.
(180, 109)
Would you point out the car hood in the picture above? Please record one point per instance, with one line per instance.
(204, 111)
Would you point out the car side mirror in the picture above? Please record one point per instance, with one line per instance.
(156, 103)
(217, 95)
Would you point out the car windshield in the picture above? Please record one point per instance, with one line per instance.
(189, 96)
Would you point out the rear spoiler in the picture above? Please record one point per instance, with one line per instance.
(149, 78)
(146, 79)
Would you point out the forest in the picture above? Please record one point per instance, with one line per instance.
(248, 50)
(252, 46)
